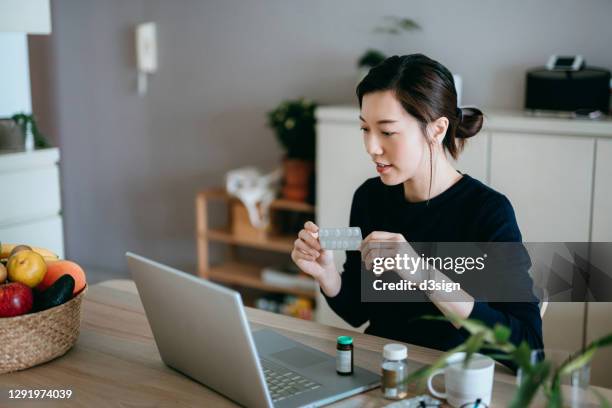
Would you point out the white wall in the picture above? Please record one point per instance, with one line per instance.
(14, 75)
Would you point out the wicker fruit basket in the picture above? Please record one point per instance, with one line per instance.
(35, 338)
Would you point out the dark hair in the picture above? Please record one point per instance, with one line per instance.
(426, 90)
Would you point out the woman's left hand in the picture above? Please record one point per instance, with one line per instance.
(390, 245)
(383, 244)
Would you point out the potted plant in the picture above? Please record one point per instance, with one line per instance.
(20, 132)
(30, 129)
(293, 122)
(373, 57)
(370, 59)
(536, 376)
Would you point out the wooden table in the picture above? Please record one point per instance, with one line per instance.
(115, 362)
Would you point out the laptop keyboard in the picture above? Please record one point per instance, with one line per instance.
(284, 383)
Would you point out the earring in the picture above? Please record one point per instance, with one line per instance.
(430, 174)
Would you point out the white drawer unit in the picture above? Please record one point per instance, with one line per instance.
(30, 204)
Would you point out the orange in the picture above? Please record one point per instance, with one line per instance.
(56, 269)
(27, 267)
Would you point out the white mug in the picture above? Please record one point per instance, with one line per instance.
(465, 384)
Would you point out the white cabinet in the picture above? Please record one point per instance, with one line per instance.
(30, 204)
(548, 180)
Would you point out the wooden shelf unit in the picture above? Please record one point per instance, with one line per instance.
(240, 273)
(243, 274)
(282, 244)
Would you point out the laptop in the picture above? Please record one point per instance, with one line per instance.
(201, 330)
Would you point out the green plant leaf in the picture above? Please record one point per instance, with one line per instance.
(604, 341)
(396, 25)
(471, 325)
(522, 356)
(555, 397)
(408, 24)
(501, 332)
(501, 356)
(472, 345)
(586, 356)
(576, 362)
(403, 23)
(419, 375)
(603, 401)
(531, 382)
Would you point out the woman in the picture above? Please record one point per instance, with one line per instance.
(411, 127)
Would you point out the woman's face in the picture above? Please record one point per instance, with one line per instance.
(392, 138)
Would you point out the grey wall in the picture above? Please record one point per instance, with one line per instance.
(131, 165)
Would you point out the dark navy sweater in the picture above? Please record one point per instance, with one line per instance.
(468, 211)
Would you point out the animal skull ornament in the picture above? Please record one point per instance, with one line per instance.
(253, 189)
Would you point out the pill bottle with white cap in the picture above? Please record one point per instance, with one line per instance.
(394, 371)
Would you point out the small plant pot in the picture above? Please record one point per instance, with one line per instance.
(11, 136)
(297, 174)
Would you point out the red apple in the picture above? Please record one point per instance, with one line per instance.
(15, 299)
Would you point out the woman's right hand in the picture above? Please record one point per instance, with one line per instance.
(316, 261)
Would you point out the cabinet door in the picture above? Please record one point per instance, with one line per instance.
(548, 181)
(600, 316)
(602, 197)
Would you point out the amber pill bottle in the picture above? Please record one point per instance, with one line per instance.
(344, 355)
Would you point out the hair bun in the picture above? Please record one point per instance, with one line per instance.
(469, 122)
(459, 115)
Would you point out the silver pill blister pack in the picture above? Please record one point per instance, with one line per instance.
(340, 239)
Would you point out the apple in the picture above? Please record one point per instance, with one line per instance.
(15, 299)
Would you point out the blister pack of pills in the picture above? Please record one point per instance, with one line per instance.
(340, 239)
